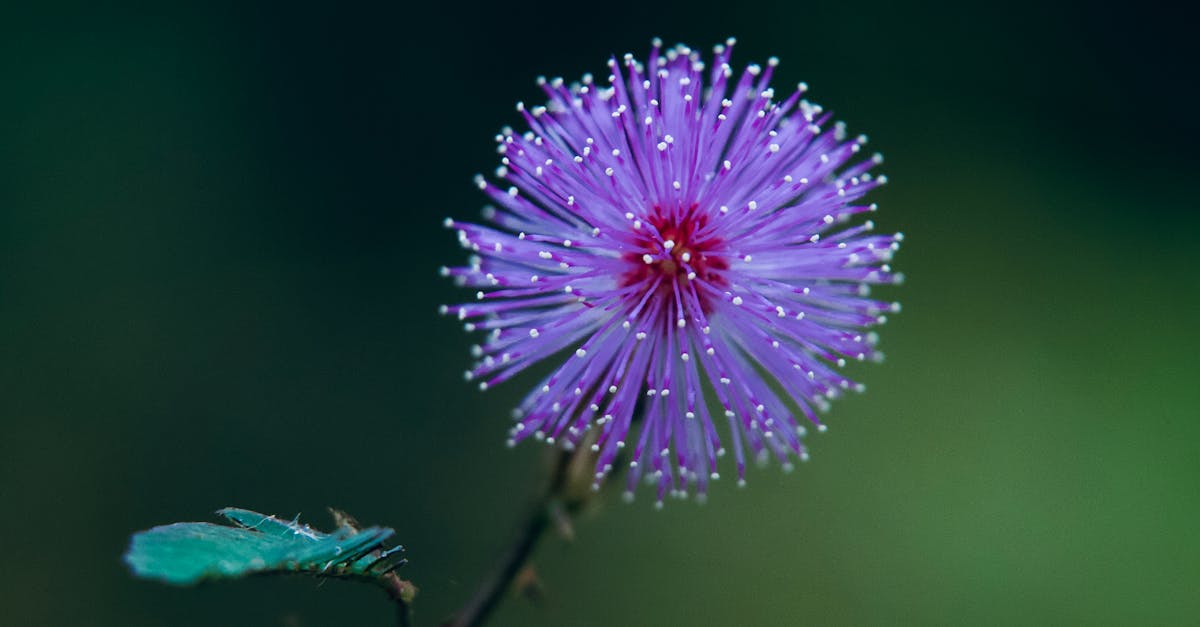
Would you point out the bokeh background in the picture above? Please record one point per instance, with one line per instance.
(219, 241)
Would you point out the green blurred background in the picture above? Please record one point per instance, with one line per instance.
(219, 236)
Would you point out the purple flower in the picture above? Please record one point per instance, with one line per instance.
(688, 242)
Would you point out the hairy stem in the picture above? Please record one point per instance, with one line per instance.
(401, 592)
(492, 589)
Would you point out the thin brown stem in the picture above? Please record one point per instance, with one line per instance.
(403, 614)
(568, 490)
(401, 592)
(492, 589)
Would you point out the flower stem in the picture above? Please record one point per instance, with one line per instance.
(492, 589)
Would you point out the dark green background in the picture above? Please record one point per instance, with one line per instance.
(219, 236)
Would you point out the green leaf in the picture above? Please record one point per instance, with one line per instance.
(188, 553)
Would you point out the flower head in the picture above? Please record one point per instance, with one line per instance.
(688, 242)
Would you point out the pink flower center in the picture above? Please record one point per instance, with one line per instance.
(679, 250)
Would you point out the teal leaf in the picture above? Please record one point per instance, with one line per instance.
(188, 553)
